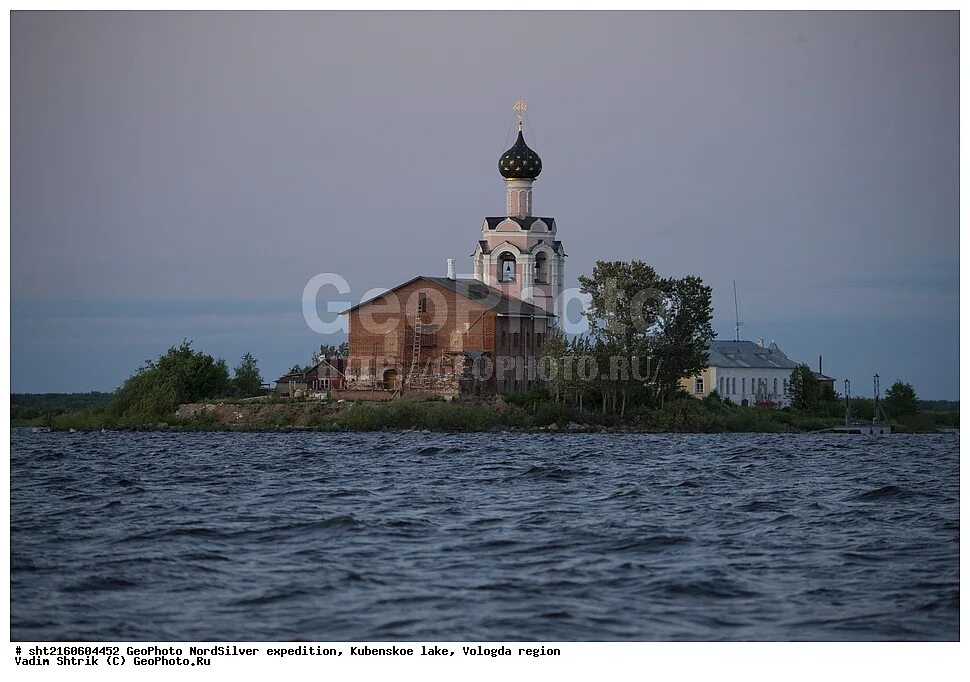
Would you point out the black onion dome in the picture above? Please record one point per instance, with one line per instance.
(520, 161)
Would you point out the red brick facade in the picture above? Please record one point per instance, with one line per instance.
(466, 347)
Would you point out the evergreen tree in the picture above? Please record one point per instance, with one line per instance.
(805, 390)
(900, 400)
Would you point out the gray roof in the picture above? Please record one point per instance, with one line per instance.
(478, 291)
(747, 354)
(474, 290)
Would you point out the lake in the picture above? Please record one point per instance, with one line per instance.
(487, 536)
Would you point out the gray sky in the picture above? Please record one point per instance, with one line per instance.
(184, 174)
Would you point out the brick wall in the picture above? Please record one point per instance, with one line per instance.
(383, 329)
(381, 334)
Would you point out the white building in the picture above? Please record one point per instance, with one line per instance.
(745, 372)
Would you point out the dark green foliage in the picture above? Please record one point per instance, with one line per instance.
(37, 409)
(160, 386)
(939, 405)
(329, 350)
(660, 325)
(248, 381)
(530, 399)
(900, 400)
(679, 350)
(436, 415)
(712, 401)
(806, 391)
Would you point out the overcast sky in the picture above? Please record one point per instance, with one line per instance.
(185, 174)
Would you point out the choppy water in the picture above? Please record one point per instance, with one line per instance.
(398, 536)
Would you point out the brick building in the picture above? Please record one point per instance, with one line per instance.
(456, 336)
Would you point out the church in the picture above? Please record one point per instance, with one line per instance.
(451, 336)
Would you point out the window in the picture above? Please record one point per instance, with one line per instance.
(422, 302)
(515, 339)
(538, 340)
(699, 385)
(506, 271)
(390, 343)
(720, 385)
(784, 386)
(734, 385)
(775, 391)
(743, 386)
(542, 269)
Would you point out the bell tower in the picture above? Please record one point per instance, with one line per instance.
(518, 252)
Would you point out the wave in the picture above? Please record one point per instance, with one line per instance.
(100, 584)
(886, 492)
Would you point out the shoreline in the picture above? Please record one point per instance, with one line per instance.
(271, 415)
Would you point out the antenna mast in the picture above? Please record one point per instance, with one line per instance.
(737, 316)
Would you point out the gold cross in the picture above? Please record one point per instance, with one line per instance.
(519, 108)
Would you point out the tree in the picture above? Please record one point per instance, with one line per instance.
(799, 386)
(555, 350)
(679, 346)
(179, 376)
(805, 391)
(646, 320)
(248, 381)
(328, 350)
(901, 400)
(625, 302)
(625, 299)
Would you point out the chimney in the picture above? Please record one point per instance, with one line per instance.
(820, 364)
(451, 268)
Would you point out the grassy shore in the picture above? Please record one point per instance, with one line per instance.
(684, 415)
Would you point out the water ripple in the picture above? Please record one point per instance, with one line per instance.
(331, 537)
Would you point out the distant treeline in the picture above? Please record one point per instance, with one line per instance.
(28, 406)
(939, 405)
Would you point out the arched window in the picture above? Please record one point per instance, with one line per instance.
(506, 268)
(542, 269)
(775, 391)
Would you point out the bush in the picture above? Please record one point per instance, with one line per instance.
(159, 387)
(683, 415)
(753, 420)
(437, 416)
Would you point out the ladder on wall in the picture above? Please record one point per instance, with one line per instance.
(416, 377)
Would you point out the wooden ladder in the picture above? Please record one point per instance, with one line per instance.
(416, 379)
